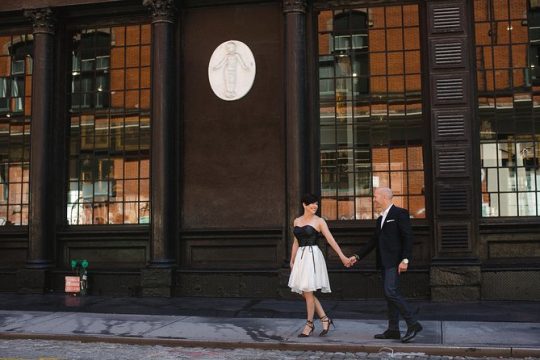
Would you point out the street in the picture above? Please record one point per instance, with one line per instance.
(74, 350)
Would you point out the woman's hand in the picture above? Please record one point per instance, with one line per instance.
(346, 261)
(291, 264)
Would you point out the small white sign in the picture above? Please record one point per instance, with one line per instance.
(231, 70)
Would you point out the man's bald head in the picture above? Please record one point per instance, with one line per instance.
(383, 197)
(385, 192)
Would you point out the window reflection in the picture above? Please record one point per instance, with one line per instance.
(508, 79)
(15, 117)
(370, 109)
(110, 126)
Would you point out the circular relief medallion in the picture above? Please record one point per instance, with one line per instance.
(231, 70)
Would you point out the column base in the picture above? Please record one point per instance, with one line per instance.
(455, 283)
(158, 282)
(32, 281)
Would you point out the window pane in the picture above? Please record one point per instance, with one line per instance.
(492, 180)
(346, 208)
(381, 179)
(415, 160)
(363, 183)
(328, 207)
(108, 172)
(370, 111)
(507, 179)
(131, 213)
(527, 204)
(364, 208)
(417, 207)
(490, 204)
(525, 179)
(507, 68)
(380, 159)
(508, 204)
(488, 154)
(416, 183)
(15, 118)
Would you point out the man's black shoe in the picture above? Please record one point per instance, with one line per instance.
(411, 332)
(389, 334)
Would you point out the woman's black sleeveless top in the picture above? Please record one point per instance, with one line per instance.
(306, 235)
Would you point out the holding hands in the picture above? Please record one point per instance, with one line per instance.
(348, 261)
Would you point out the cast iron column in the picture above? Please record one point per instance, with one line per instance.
(41, 223)
(295, 100)
(295, 111)
(41, 230)
(164, 181)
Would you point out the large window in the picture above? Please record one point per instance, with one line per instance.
(15, 106)
(370, 110)
(508, 80)
(109, 160)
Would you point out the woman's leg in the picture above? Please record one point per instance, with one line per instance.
(318, 308)
(320, 312)
(310, 308)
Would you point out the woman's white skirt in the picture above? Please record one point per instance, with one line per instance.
(309, 271)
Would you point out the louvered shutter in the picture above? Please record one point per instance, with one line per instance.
(451, 88)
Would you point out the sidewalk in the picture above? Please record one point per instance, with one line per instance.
(506, 329)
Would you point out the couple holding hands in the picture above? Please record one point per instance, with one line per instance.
(392, 240)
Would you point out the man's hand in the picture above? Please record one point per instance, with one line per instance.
(402, 267)
(352, 260)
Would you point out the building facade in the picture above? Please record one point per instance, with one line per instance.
(116, 148)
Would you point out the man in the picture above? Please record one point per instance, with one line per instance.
(393, 241)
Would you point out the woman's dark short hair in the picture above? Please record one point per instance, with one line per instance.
(309, 199)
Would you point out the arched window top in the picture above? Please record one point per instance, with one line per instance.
(21, 47)
(351, 20)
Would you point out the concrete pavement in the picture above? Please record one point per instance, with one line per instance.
(506, 329)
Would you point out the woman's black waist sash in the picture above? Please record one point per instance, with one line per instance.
(307, 242)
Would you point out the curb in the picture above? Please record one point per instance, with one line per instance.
(419, 349)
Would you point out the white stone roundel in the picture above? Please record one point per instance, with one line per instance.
(231, 70)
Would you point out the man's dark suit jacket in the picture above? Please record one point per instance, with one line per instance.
(394, 241)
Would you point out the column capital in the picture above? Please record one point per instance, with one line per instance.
(43, 20)
(162, 10)
(294, 6)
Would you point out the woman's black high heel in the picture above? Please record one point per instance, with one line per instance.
(326, 319)
(309, 323)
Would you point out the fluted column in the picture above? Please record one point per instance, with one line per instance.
(296, 115)
(164, 182)
(42, 224)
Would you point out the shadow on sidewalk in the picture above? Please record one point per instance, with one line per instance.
(496, 311)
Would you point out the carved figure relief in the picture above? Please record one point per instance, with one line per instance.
(231, 70)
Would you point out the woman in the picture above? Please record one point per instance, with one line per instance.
(309, 272)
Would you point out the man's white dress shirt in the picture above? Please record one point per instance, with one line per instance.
(384, 213)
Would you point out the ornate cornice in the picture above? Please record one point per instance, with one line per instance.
(298, 6)
(162, 10)
(43, 20)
